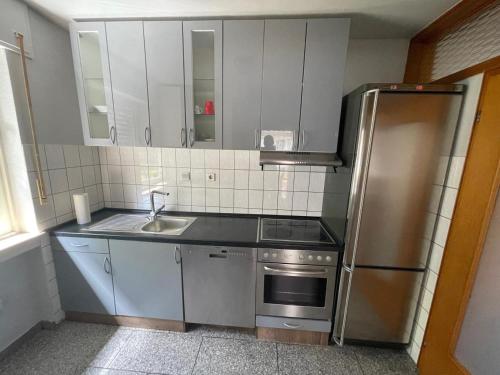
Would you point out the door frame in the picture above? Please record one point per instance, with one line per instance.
(474, 207)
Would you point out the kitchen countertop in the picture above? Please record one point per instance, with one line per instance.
(207, 229)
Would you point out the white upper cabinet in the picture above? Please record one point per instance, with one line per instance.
(324, 65)
(165, 74)
(90, 56)
(128, 79)
(242, 86)
(203, 82)
(284, 42)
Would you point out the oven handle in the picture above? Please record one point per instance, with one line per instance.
(296, 272)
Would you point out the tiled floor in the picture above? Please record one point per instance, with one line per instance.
(93, 349)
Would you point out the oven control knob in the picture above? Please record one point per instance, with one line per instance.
(275, 255)
(310, 257)
(328, 258)
(301, 257)
(319, 258)
(266, 255)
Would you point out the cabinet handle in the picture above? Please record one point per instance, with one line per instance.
(79, 244)
(293, 326)
(257, 139)
(178, 255)
(191, 137)
(107, 265)
(147, 135)
(112, 134)
(183, 137)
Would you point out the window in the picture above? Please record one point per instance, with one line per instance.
(5, 207)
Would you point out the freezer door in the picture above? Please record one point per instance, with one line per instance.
(412, 136)
(381, 305)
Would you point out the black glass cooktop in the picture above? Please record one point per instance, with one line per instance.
(293, 230)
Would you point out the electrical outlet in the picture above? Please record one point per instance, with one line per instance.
(211, 177)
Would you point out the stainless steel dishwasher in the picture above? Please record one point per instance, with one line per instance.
(219, 285)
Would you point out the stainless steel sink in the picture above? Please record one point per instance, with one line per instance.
(168, 225)
(126, 223)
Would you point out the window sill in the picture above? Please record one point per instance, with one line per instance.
(18, 244)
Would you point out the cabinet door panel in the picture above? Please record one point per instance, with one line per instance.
(203, 82)
(282, 75)
(243, 52)
(93, 82)
(324, 63)
(128, 79)
(147, 278)
(85, 282)
(165, 72)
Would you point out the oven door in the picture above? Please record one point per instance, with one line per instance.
(295, 291)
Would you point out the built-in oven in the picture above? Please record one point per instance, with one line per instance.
(296, 283)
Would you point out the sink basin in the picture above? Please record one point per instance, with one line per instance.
(168, 225)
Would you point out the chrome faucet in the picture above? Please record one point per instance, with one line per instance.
(154, 212)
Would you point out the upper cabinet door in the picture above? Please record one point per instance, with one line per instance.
(203, 82)
(165, 73)
(93, 83)
(324, 63)
(282, 83)
(243, 53)
(128, 78)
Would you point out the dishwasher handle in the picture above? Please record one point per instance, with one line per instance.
(217, 256)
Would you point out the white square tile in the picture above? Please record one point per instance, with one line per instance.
(301, 181)
(129, 193)
(154, 156)
(128, 174)
(256, 180)
(255, 211)
(226, 210)
(98, 173)
(226, 198)
(299, 213)
(198, 196)
(212, 159)
(62, 203)
(255, 198)
(142, 193)
(449, 199)
(240, 210)
(435, 198)
(88, 175)
(92, 192)
(141, 156)
(455, 173)
(106, 192)
(268, 167)
(436, 257)
(170, 176)
(270, 200)
(115, 174)
(286, 168)
(197, 177)
(270, 212)
(116, 192)
(226, 159)
(271, 179)
(314, 213)
(58, 180)
(284, 212)
(317, 182)
(442, 228)
(302, 168)
(95, 155)
(168, 157)
(315, 202)
(171, 198)
(254, 160)
(286, 180)
(55, 156)
(71, 156)
(44, 212)
(242, 159)
(184, 196)
(418, 335)
(427, 298)
(113, 155)
(86, 157)
(197, 208)
(241, 179)
(285, 200)
(300, 201)
(183, 158)
(103, 158)
(141, 175)
(183, 177)
(212, 209)
(318, 168)
(226, 179)
(75, 180)
(241, 198)
(127, 155)
(212, 197)
(155, 177)
(197, 158)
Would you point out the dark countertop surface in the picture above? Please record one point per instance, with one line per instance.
(208, 229)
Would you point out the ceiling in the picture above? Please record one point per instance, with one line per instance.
(370, 18)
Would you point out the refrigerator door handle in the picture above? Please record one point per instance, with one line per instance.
(339, 329)
(358, 187)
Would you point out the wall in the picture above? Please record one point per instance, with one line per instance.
(374, 60)
(441, 209)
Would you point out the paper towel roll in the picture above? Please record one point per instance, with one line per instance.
(82, 208)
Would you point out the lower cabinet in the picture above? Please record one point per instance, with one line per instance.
(147, 279)
(85, 281)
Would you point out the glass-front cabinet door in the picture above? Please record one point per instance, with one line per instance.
(203, 86)
(90, 56)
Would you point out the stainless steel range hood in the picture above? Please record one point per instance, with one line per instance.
(299, 158)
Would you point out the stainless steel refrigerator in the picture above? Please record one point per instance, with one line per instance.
(395, 142)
